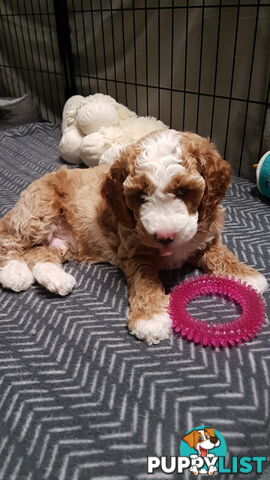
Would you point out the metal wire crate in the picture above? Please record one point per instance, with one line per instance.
(200, 65)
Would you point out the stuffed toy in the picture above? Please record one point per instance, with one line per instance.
(95, 128)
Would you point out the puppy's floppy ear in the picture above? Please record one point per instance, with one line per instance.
(215, 171)
(190, 439)
(217, 175)
(112, 189)
(211, 432)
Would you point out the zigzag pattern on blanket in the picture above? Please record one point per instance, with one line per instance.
(81, 399)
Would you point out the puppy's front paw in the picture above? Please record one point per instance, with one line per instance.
(54, 278)
(16, 276)
(152, 330)
(257, 281)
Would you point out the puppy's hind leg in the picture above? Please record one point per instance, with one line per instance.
(45, 263)
(30, 222)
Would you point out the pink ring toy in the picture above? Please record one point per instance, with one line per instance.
(243, 328)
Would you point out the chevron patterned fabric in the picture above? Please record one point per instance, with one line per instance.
(81, 399)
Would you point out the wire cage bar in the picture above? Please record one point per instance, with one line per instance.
(199, 65)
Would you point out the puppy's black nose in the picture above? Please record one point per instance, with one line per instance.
(214, 439)
(164, 241)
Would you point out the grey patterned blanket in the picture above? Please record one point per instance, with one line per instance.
(82, 399)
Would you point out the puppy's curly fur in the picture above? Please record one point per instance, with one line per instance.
(156, 207)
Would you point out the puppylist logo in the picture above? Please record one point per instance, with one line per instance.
(203, 445)
(202, 451)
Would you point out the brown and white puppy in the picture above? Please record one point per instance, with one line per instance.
(202, 440)
(156, 207)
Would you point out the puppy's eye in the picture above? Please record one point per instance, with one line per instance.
(140, 197)
(180, 192)
(200, 439)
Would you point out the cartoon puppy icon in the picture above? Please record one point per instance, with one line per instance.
(202, 441)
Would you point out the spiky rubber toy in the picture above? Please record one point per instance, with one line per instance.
(231, 333)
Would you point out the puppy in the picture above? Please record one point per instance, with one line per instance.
(156, 207)
(202, 441)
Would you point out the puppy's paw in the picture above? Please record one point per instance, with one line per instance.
(54, 278)
(92, 147)
(16, 276)
(194, 469)
(257, 281)
(152, 330)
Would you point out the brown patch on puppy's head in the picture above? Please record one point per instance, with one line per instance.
(189, 188)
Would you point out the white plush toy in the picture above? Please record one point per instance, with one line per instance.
(95, 128)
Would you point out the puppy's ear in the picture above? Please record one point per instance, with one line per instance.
(211, 432)
(215, 171)
(217, 175)
(190, 439)
(112, 189)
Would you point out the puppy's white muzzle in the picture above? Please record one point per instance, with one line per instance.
(171, 216)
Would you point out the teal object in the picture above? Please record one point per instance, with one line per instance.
(263, 175)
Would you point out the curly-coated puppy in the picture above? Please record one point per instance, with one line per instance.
(156, 207)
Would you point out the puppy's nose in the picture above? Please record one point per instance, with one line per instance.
(164, 239)
(214, 439)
